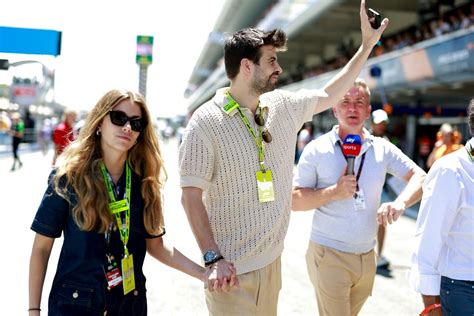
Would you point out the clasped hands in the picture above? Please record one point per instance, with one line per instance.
(221, 276)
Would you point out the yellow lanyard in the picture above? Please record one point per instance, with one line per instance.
(470, 150)
(117, 207)
(258, 139)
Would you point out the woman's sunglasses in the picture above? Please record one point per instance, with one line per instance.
(119, 118)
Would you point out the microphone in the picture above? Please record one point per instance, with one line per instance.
(351, 149)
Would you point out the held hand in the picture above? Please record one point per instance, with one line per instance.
(222, 276)
(346, 186)
(370, 36)
(389, 212)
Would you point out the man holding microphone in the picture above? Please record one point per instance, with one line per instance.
(340, 176)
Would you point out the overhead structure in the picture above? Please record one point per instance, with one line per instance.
(319, 30)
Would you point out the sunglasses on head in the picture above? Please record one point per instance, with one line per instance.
(120, 118)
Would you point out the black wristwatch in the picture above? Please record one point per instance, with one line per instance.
(211, 257)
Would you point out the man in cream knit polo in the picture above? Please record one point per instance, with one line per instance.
(236, 166)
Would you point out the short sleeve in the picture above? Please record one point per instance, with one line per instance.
(399, 163)
(306, 173)
(149, 236)
(52, 213)
(196, 158)
(301, 104)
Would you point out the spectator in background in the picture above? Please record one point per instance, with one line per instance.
(379, 123)
(30, 131)
(454, 21)
(465, 21)
(5, 121)
(443, 260)
(304, 137)
(447, 141)
(17, 131)
(63, 133)
(44, 136)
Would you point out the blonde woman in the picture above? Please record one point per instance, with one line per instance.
(105, 198)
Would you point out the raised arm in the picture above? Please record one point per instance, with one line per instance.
(344, 79)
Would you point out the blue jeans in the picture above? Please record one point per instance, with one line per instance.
(457, 297)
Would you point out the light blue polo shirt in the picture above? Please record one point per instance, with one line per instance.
(337, 224)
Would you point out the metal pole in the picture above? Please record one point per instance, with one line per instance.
(143, 80)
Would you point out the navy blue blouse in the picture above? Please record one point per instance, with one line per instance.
(79, 286)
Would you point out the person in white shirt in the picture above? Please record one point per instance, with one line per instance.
(443, 260)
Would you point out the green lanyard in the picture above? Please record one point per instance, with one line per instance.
(117, 207)
(258, 139)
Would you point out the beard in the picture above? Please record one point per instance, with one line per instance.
(262, 85)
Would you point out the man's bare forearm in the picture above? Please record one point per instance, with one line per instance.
(198, 219)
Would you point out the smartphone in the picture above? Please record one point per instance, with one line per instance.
(375, 18)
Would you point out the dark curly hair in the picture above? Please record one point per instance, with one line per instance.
(246, 43)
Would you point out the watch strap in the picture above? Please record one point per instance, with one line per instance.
(217, 258)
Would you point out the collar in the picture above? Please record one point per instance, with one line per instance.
(334, 136)
(470, 148)
(220, 100)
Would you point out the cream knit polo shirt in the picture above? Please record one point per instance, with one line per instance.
(219, 156)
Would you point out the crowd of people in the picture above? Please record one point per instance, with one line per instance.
(236, 163)
(443, 23)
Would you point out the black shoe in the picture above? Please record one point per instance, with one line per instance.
(382, 262)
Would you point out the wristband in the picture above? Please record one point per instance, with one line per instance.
(429, 308)
(34, 309)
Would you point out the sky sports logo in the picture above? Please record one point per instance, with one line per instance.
(352, 139)
(352, 145)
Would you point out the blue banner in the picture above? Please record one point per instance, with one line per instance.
(455, 56)
(30, 41)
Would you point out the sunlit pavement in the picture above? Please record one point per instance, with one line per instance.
(171, 292)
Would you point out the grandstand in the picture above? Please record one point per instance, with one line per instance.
(425, 63)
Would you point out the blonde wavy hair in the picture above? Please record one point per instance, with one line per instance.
(80, 166)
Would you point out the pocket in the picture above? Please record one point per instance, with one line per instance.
(75, 296)
(134, 305)
(458, 288)
(319, 255)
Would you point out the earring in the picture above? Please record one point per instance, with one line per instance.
(97, 132)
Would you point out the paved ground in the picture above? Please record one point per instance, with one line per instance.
(171, 292)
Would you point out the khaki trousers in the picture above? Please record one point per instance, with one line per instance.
(342, 281)
(257, 294)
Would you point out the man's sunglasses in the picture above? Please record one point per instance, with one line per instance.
(266, 136)
(119, 118)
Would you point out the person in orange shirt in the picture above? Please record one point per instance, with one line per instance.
(447, 143)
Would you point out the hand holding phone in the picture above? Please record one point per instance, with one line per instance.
(375, 18)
